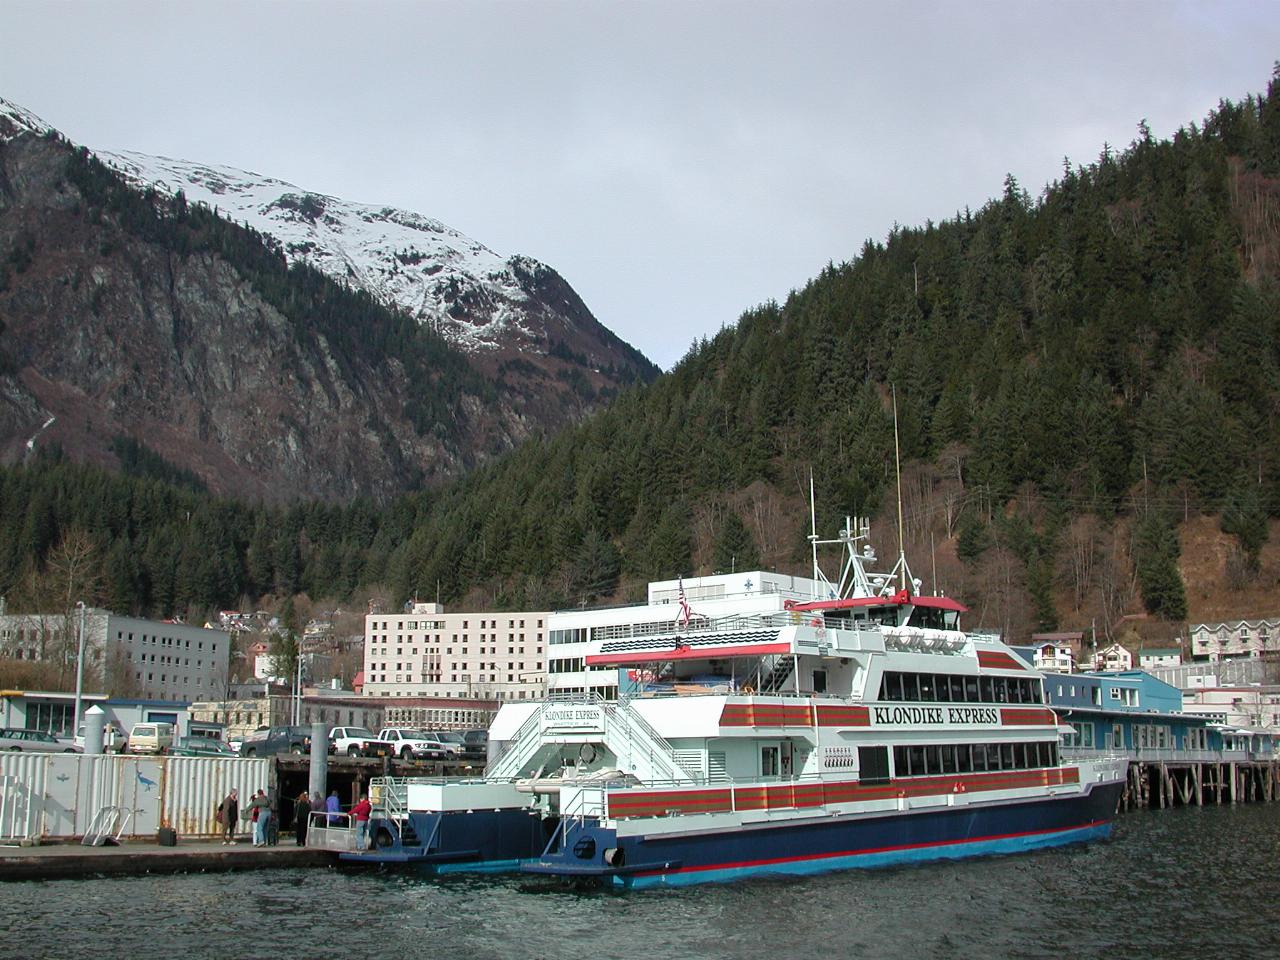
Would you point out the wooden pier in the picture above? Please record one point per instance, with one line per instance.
(1158, 784)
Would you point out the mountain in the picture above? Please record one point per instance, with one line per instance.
(121, 339)
(1087, 390)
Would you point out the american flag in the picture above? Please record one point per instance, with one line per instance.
(685, 614)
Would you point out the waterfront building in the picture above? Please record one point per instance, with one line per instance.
(51, 711)
(428, 653)
(571, 633)
(1256, 706)
(151, 659)
(1054, 653)
(1238, 638)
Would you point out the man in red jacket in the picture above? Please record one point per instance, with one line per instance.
(360, 813)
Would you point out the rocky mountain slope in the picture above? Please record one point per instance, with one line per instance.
(133, 314)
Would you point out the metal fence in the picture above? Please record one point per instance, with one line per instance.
(55, 796)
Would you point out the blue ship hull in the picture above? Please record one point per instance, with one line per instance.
(586, 850)
(480, 841)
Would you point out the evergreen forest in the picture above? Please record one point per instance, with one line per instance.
(1077, 376)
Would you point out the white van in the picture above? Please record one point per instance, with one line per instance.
(113, 739)
(150, 738)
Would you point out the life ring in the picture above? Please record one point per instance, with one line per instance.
(587, 753)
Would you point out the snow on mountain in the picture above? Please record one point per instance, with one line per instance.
(402, 258)
(469, 294)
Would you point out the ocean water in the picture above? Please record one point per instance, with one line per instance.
(1186, 883)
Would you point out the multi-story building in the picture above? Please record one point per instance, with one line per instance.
(1114, 657)
(1239, 638)
(1251, 706)
(570, 632)
(152, 659)
(1152, 658)
(426, 652)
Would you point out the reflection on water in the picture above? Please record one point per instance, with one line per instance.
(1180, 883)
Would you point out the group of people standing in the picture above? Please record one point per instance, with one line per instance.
(258, 812)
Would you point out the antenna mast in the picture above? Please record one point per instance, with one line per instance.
(897, 471)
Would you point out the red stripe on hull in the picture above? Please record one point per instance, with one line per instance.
(785, 796)
(1028, 718)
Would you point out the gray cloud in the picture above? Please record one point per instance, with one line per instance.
(677, 162)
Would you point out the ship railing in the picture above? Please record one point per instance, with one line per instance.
(389, 796)
(522, 745)
(736, 623)
(638, 733)
(331, 831)
(1164, 754)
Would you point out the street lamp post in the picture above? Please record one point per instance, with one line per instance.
(75, 719)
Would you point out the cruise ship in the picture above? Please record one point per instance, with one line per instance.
(788, 726)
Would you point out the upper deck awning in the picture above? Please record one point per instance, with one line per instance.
(660, 649)
(900, 599)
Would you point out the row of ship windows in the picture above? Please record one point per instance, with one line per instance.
(950, 688)
(932, 759)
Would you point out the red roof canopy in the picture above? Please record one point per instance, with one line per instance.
(897, 600)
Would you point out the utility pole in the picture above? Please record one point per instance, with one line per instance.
(75, 719)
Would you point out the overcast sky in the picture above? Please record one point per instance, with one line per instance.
(676, 162)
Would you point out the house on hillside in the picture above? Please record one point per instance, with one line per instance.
(1113, 658)
(1151, 657)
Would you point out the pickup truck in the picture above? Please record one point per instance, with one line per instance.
(278, 740)
(357, 742)
(410, 744)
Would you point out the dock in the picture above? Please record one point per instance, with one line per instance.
(62, 861)
(1173, 781)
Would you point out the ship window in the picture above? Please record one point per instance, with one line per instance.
(964, 758)
(768, 761)
(893, 685)
(971, 689)
(910, 687)
(1020, 756)
(979, 757)
(993, 756)
(819, 681)
(926, 687)
(1002, 689)
(1006, 756)
(873, 764)
(915, 757)
(932, 759)
(957, 689)
(948, 758)
(942, 689)
(988, 693)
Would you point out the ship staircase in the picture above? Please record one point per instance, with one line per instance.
(639, 749)
(390, 797)
(777, 677)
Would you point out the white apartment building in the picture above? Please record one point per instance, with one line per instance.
(1153, 658)
(155, 659)
(425, 652)
(570, 632)
(1113, 658)
(1240, 638)
(1250, 706)
(1054, 658)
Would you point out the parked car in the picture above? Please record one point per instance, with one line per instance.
(150, 738)
(478, 740)
(201, 747)
(409, 744)
(357, 742)
(34, 741)
(113, 739)
(287, 739)
(466, 751)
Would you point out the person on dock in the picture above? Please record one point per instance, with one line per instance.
(228, 815)
(332, 806)
(360, 812)
(301, 814)
(260, 814)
